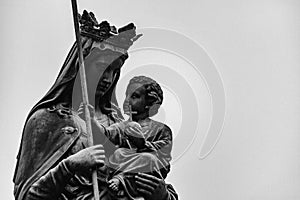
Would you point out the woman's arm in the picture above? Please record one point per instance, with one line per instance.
(51, 185)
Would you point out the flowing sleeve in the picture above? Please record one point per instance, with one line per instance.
(115, 133)
(50, 185)
(161, 143)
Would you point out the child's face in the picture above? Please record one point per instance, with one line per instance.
(136, 98)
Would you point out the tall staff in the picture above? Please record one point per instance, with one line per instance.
(84, 92)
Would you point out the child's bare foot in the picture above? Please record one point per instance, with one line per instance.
(114, 184)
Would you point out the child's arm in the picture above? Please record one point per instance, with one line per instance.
(161, 144)
(114, 133)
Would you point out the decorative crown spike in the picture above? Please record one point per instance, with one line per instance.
(121, 38)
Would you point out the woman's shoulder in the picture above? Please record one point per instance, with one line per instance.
(44, 119)
(40, 113)
(40, 117)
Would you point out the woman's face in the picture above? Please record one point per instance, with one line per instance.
(100, 66)
(105, 82)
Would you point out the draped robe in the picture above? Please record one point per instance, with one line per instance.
(53, 131)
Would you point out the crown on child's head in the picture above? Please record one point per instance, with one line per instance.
(109, 36)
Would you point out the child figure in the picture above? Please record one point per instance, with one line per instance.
(144, 144)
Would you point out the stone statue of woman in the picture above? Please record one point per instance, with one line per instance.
(54, 160)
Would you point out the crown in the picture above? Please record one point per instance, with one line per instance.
(108, 36)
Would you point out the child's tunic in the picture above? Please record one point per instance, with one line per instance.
(153, 159)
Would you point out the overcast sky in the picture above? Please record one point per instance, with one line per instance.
(252, 46)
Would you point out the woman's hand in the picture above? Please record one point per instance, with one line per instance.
(81, 111)
(86, 159)
(94, 122)
(151, 187)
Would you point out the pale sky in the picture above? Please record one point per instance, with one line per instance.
(253, 45)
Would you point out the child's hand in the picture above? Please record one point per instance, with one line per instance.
(134, 129)
(134, 132)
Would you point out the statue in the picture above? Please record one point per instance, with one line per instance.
(54, 160)
(144, 144)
